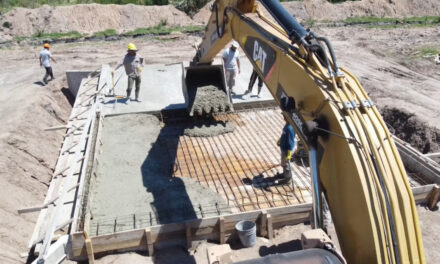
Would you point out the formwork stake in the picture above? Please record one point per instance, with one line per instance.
(149, 240)
(269, 227)
(89, 248)
(221, 229)
(134, 221)
(188, 235)
(201, 211)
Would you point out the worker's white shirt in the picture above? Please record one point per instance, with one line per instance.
(45, 57)
(230, 58)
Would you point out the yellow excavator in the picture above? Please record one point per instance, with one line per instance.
(354, 162)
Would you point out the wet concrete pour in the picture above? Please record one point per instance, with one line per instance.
(134, 186)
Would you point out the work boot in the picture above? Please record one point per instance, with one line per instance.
(279, 176)
(248, 91)
(284, 181)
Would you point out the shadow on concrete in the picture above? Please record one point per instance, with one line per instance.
(39, 83)
(171, 201)
(289, 246)
(263, 183)
(117, 100)
(69, 96)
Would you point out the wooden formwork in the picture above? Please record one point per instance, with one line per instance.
(220, 229)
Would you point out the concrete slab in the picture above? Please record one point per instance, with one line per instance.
(242, 83)
(162, 88)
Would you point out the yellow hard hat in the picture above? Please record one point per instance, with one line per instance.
(46, 45)
(132, 47)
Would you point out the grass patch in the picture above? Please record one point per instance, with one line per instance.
(56, 36)
(427, 51)
(105, 33)
(19, 38)
(163, 30)
(309, 22)
(393, 22)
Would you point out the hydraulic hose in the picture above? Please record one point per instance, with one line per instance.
(293, 28)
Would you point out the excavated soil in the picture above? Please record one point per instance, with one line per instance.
(323, 10)
(89, 18)
(411, 129)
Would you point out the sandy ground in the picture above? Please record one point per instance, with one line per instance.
(28, 154)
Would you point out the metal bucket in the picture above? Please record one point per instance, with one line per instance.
(247, 232)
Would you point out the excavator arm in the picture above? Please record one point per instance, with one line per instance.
(354, 162)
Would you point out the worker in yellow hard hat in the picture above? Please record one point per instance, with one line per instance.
(45, 57)
(133, 67)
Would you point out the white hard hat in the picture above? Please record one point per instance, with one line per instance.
(235, 44)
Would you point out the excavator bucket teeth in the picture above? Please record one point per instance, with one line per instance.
(206, 92)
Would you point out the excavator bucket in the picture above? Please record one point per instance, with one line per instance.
(206, 92)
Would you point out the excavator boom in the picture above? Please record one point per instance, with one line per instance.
(354, 161)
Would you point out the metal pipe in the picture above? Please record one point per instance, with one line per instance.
(293, 28)
(315, 184)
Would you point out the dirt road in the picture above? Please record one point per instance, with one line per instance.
(28, 154)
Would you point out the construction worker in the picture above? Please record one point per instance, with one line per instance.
(45, 58)
(254, 76)
(231, 61)
(133, 67)
(287, 145)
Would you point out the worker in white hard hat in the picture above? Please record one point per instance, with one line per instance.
(133, 67)
(231, 61)
(45, 57)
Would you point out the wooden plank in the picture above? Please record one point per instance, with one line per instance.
(188, 236)
(150, 243)
(200, 228)
(415, 161)
(221, 228)
(432, 155)
(269, 227)
(53, 128)
(263, 223)
(421, 193)
(88, 157)
(90, 253)
(433, 198)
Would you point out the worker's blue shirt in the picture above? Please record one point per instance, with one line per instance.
(287, 141)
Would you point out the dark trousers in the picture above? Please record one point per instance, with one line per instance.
(48, 73)
(131, 80)
(254, 76)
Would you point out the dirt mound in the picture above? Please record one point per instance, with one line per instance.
(409, 128)
(89, 18)
(323, 10)
(295, 8)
